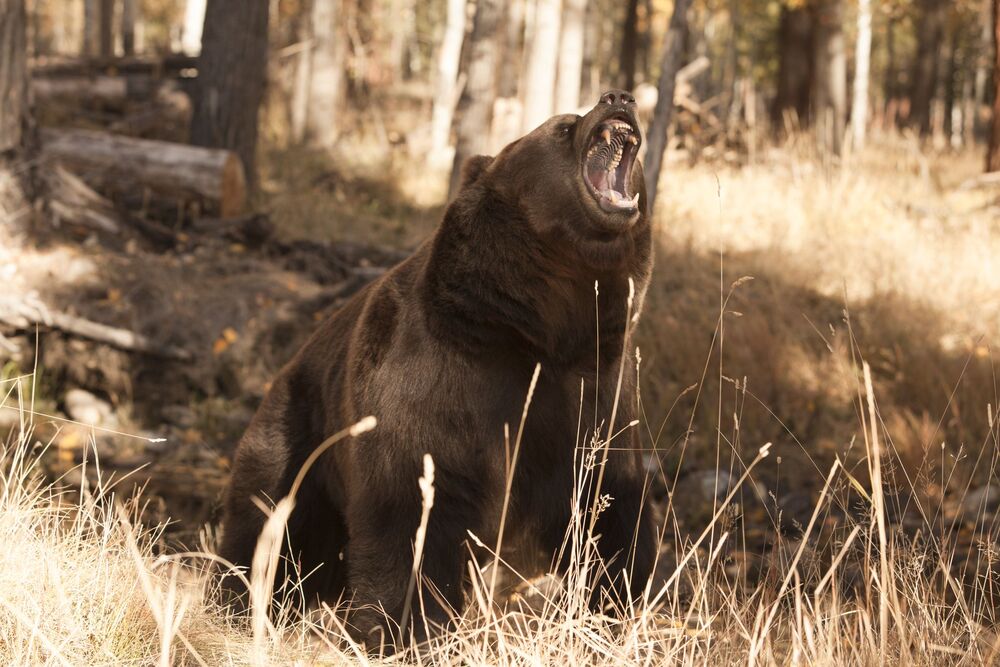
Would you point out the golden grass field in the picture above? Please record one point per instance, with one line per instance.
(825, 329)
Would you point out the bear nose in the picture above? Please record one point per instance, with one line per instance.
(617, 97)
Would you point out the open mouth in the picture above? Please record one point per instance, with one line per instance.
(608, 164)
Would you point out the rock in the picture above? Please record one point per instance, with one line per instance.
(983, 500)
(84, 407)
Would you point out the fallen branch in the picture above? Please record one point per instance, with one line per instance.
(26, 314)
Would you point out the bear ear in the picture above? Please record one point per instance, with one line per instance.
(473, 169)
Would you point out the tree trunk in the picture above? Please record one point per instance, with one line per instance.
(13, 110)
(91, 27)
(795, 65)
(862, 71)
(656, 137)
(194, 22)
(925, 71)
(299, 111)
(570, 56)
(13, 75)
(106, 31)
(889, 83)
(830, 93)
(984, 58)
(326, 78)
(449, 59)
(475, 107)
(130, 17)
(993, 153)
(540, 75)
(513, 49)
(231, 77)
(593, 59)
(121, 164)
(630, 42)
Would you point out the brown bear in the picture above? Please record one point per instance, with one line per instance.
(441, 350)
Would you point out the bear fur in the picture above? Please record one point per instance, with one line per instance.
(441, 350)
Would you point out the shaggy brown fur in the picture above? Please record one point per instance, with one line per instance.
(441, 350)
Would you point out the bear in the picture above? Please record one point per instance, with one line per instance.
(537, 260)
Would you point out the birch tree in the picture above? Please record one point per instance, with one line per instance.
(542, 58)
(670, 62)
(570, 56)
(862, 72)
(475, 107)
(448, 62)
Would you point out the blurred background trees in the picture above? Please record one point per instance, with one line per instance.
(449, 78)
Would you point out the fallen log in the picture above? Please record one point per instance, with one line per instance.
(24, 314)
(169, 64)
(120, 164)
(109, 91)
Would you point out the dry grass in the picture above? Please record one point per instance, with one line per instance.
(884, 262)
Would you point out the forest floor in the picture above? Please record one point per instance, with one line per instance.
(794, 271)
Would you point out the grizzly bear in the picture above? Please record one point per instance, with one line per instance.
(533, 263)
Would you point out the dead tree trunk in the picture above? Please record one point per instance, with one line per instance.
(993, 154)
(925, 70)
(656, 138)
(570, 56)
(475, 107)
(862, 69)
(231, 77)
(540, 74)
(449, 57)
(630, 40)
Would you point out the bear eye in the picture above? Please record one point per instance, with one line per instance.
(565, 128)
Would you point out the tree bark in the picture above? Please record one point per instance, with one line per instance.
(656, 137)
(513, 49)
(13, 75)
(120, 164)
(925, 70)
(830, 93)
(231, 76)
(795, 65)
(449, 59)
(542, 59)
(570, 56)
(106, 30)
(474, 115)
(91, 27)
(993, 153)
(862, 71)
(14, 178)
(630, 41)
